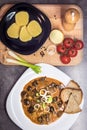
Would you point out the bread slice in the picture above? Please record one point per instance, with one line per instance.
(73, 84)
(72, 106)
(76, 93)
(72, 96)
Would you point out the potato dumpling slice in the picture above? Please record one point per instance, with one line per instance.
(24, 34)
(22, 18)
(34, 28)
(13, 30)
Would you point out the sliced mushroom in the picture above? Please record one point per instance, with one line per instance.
(40, 119)
(34, 83)
(51, 109)
(31, 109)
(29, 88)
(23, 93)
(55, 99)
(26, 101)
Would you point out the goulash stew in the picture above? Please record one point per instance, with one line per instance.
(41, 100)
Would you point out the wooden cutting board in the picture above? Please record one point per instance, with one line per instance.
(54, 12)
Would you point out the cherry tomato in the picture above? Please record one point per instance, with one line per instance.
(65, 59)
(72, 52)
(78, 44)
(68, 42)
(61, 48)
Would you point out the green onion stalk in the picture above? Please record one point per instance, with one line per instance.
(20, 61)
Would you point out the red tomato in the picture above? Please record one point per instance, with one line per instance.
(68, 42)
(72, 52)
(61, 48)
(65, 59)
(78, 44)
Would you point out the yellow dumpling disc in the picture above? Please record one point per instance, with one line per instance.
(22, 18)
(13, 31)
(24, 35)
(34, 28)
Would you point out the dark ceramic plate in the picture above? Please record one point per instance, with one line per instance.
(15, 44)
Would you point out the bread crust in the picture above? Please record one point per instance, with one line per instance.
(73, 84)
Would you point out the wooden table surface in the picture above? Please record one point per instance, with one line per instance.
(9, 75)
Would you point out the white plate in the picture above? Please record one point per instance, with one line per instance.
(14, 106)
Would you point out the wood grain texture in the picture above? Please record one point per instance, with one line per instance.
(54, 12)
